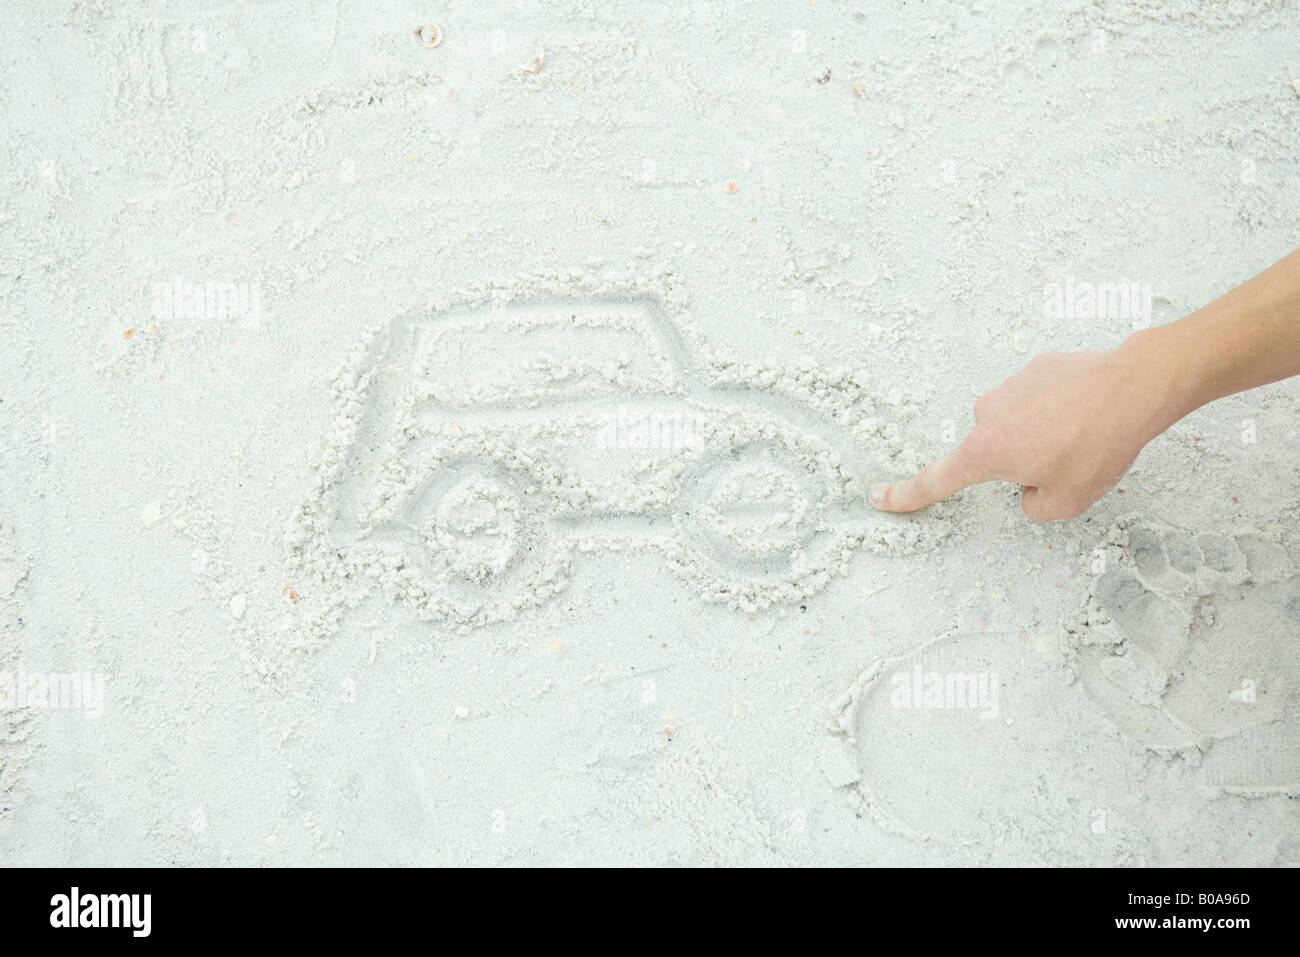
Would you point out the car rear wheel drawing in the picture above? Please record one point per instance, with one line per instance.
(472, 535)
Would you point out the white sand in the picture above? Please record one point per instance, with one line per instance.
(517, 516)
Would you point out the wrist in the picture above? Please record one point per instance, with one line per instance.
(1160, 370)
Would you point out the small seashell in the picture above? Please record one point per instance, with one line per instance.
(535, 64)
(429, 35)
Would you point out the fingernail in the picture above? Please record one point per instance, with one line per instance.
(877, 495)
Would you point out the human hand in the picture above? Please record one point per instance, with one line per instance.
(1065, 428)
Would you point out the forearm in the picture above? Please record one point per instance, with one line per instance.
(1069, 425)
(1248, 337)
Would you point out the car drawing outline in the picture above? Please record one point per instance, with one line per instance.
(470, 499)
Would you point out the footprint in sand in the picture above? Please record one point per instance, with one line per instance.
(975, 741)
(1006, 744)
(1190, 643)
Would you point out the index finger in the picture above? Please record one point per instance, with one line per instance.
(941, 478)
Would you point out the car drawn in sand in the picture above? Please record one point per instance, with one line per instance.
(496, 444)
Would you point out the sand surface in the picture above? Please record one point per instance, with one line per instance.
(446, 446)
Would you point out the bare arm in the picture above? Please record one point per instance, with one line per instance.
(1068, 426)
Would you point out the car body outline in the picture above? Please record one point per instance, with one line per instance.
(836, 520)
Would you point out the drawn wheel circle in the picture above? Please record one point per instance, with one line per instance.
(755, 510)
(752, 512)
(475, 528)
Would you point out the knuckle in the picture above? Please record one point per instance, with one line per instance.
(1043, 359)
(980, 445)
(922, 482)
(1054, 509)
